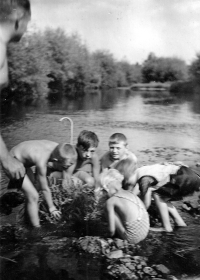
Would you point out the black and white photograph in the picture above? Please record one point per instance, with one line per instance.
(100, 139)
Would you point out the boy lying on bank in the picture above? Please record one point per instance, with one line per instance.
(164, 182)
(39, 153)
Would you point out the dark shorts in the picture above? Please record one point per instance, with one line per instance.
(183, 183)
(15, 184)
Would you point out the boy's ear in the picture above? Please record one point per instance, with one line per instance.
(127, 147)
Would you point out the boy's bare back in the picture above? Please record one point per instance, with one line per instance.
(126, 205)
(33, 152)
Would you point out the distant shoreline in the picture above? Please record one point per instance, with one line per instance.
(151, 86)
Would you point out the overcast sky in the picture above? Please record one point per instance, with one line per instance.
(129, 29)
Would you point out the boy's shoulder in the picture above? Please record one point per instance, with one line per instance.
(111, 201)
(130, 155)
(105, 156)
(33, 151)
(105, 160)
(95, 157)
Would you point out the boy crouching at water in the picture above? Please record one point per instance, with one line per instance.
(127, 215)
(39, 153)
(165, 182)
(118, 150)
(87, 166)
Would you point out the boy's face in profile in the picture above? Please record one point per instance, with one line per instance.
(117, 150)
(65, 163)
(86, 153)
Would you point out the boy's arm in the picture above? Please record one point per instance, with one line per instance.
(41, 173)
(111, 217)
(67, 173)
(133, 157)
(96, 169)
(146, 190)
(147, 198)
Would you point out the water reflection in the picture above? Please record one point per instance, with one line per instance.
(53, 260)
(179, 250)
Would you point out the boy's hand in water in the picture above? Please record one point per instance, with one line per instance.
(55, 213)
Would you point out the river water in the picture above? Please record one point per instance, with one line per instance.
(159, 127)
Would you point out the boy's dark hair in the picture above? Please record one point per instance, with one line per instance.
(116, 138)
(87, 139)
(8, 7)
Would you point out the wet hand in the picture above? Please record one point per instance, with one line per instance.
(55, 213)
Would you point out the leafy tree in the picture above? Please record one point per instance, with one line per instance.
(106, 67)
(194, 68)
(28, 68)
(163, 69)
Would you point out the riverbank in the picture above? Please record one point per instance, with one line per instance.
(151, 86)
(77, 247)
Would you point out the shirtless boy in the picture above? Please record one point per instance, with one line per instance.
(118, 150)
(166, 182)
(126, 213)
(87, 166)
(39, 153)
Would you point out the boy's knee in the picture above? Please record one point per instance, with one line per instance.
(89, 181)
(33, 196)
(56, 174)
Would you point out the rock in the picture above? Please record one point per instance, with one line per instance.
(192, 203)
(158, 278)
(140, 274)
(138, 259)
(119, 243)
(110, 241)
(162, 269)
(139, 267)
(115, 254)
(171, 277)
(143, 263)
(131, 266)
(128, 276)
(149, 271)
(146, 278)
(125, 260)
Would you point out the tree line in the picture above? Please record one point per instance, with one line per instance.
(51, 63)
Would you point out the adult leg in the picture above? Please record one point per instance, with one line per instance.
(31, 201)
(164, 212)
(176, 216)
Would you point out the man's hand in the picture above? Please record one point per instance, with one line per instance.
(14, 169)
